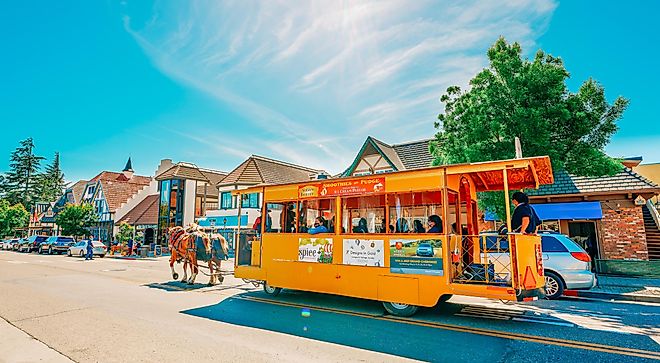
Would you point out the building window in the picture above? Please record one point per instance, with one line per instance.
(225, 200)
(250, 200)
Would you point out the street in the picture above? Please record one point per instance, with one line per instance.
(112, 310)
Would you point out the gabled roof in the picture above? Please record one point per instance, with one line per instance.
(117, 192)
(261, 170)
(77, 191)
(214, 177)
(120, 177)
(405, 156)
(146, 212)
(626, 181)
(183, 171)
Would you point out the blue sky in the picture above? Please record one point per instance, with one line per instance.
(213, 82)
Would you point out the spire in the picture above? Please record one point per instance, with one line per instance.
(128, 169)
(129, 165)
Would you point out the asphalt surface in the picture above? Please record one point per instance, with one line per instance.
(119, 311)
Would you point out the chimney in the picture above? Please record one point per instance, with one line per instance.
(128, 169)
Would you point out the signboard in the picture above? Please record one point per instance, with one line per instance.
(342, 188)
(364, 252)
(317, 250)
(416, 256)
(640, 200)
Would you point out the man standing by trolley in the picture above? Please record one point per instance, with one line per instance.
(524, 219)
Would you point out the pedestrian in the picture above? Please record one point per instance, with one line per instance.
(130, 247)
(524, 219)
(90, 250)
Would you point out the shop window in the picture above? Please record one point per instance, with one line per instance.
(311, 210)
(363, 214)
(250, 200)
(282, 217)
(225, 200)
(411, 212)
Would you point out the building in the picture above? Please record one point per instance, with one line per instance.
(144, 218)
(108, 192)
(256, 170)
(185, 192)
(377, 157)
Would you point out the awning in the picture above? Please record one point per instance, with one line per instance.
(555, 211)
(222, 222)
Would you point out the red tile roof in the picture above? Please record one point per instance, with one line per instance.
(146, 212)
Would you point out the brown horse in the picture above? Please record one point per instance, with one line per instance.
(183, 247)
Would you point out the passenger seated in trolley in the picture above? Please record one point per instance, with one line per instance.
(319, 226)
(435, 224)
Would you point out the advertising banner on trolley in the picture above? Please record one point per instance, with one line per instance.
(315, 250)
(342, 188)
(416, 256)
(364, 252)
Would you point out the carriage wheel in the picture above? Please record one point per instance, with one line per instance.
(175, 276)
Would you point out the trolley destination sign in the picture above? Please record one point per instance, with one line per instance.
(342, 188)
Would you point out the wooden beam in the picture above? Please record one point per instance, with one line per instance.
(505, 178)
(482, 180)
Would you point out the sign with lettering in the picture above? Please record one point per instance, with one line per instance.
(342, 188)
(364, 252)
(416, 256)
(315, 250)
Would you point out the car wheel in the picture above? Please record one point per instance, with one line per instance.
(554, 287)
(103, 255)
(398, 309)
(82, 254)
(270, 290)
(68, 253)
(50, 250)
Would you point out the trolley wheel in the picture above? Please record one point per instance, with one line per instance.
(270, 290)
(398, 309)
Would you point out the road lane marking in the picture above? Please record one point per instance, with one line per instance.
(17, 262)
(479, 331)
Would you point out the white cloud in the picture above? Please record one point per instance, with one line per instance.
(313, 79)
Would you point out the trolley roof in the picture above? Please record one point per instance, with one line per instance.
(523, 173)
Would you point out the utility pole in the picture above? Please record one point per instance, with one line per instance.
(518, 148)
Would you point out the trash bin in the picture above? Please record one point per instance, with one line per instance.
(144, 251)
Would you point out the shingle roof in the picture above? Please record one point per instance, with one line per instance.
(624, 181)
(146, 212)
(261, 170)
(214, 177)
(77, 191)
(183, 171)
(120, 177)
(119, 192)
(405, 156)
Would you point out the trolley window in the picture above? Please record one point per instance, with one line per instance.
(363, 214)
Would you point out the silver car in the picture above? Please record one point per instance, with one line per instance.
(566, 265)
(80, 249)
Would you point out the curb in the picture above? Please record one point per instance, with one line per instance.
(610, 296)
(131, 258)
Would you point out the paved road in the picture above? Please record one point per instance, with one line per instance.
(115, 310)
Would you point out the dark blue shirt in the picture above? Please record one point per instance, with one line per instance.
(521, 211)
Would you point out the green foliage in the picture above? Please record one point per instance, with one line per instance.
(75, 220)
(125, 232)
(20, 184)
(51, 183)
(12, 217)
(529, 99)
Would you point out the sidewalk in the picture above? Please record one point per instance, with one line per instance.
(18, 346)
(622, 288)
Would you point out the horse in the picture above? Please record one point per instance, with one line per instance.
(179, 242)
(185, 246)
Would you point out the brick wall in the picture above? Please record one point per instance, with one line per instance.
(623, 235)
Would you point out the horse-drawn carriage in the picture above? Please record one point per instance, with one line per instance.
(191, 245)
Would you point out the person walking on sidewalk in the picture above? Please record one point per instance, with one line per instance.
(90, 250)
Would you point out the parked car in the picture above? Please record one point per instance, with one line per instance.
(566, 265)
(5, 244)
(15, 243)
(56, 244)
(31, 244)
(425, 250)
(80, 249)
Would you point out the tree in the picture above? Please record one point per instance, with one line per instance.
(12, 217)
(51, 182)
(529, 99)
(75, 220)
(125, 233)
(20, 181)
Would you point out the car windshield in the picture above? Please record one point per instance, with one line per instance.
(426, 245)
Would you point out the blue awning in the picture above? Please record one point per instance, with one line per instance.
(577, 210)
(555, 211)
(222, 222)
